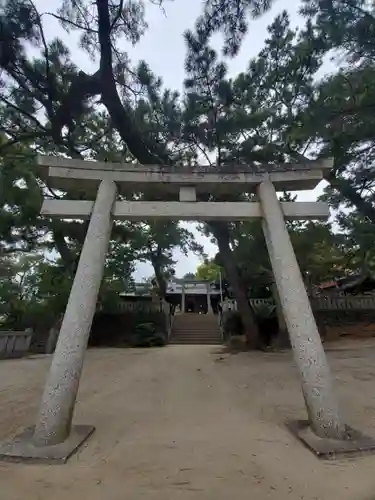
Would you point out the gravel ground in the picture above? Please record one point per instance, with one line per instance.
(185, 422)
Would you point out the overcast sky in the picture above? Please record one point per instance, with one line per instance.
(164, 50)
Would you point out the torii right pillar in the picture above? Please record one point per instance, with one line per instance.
(317, 384)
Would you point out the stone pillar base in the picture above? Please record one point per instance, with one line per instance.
(356, 444)
(21, 448)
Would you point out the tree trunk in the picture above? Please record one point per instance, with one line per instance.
(69, 258)
(141, 147)
(221, 232)
(162, 286)
(158, 270)
(66, 255)
(282, 340)
(53, 336)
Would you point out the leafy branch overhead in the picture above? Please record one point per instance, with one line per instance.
(284, 106)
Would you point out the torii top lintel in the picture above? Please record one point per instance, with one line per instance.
(68, 173)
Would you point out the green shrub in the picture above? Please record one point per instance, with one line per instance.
(147, 335)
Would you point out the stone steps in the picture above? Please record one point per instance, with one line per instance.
(195, 337)
(197, 332)
(195, 342)
(197, 329)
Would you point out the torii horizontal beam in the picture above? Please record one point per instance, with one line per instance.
(68, 174)
(196, 211)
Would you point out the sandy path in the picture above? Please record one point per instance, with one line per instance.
(177, 423)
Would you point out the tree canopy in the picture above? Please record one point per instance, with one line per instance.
(283, 107)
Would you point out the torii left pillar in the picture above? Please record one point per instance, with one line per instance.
(54, 439)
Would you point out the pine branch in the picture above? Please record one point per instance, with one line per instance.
(126, 127)
(64, 20)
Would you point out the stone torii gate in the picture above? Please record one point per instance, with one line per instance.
(53, 438)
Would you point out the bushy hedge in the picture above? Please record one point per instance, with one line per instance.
(148, 335)
(128, 328)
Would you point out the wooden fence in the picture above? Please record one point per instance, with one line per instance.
(231, 305)
(326, 303)
(125, 306)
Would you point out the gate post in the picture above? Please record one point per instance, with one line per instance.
(317, 384)
(56, 410)
(209, 305)
(183, 299)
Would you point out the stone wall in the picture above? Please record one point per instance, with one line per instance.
(337, 324)
(110, 328)
(14, 344)
(355, 302)
(336, 317)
